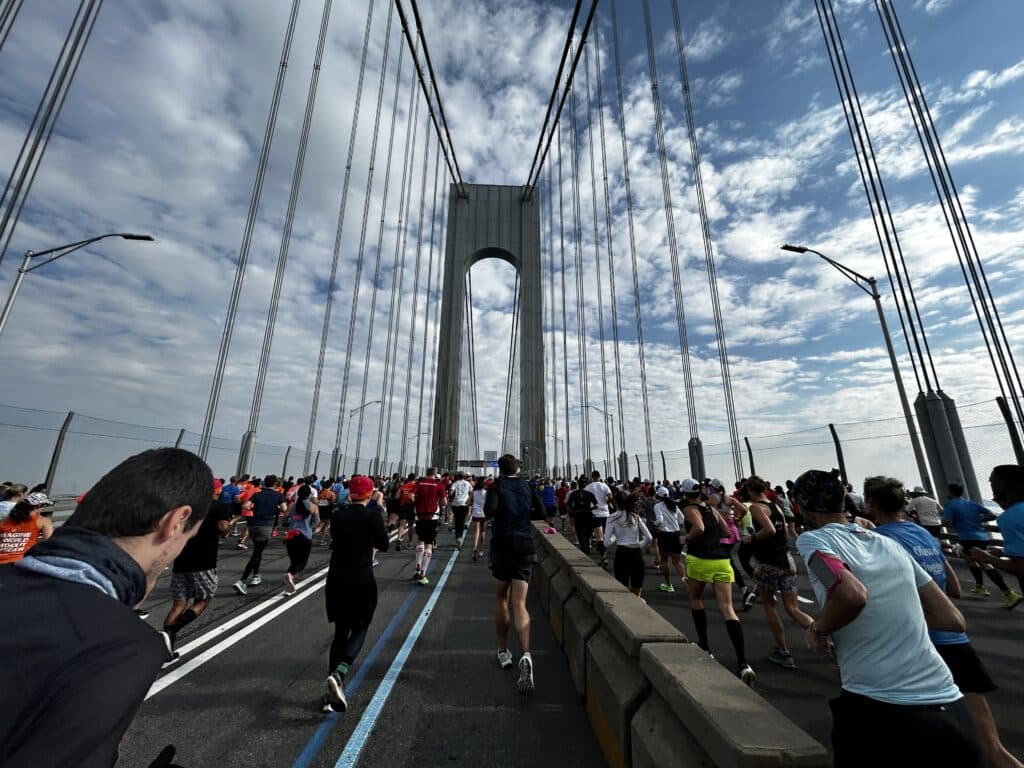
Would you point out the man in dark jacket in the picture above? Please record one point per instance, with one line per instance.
(77, 660)
(510, 505)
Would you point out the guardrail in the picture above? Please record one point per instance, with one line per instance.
(653, 698)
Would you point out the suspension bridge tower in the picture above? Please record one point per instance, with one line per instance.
(491, 222)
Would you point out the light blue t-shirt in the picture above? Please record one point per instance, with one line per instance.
(342, 493)
(885, 653)
(925, 549)
(1011, 525)
(967, 518)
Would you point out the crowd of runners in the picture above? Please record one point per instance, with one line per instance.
(873, 559)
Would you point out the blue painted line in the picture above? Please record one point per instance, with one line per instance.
(305, 758)
(369, 719)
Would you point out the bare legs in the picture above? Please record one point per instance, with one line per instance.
(511, 599)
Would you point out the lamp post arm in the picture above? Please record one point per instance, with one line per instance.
(855, 277)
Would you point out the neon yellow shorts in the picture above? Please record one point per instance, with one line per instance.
(709, 571)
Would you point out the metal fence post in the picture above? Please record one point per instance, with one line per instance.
(664, 467)
(639, 472)
(180, 440)
(1011, 427)
(51, 472)
(287, 453)
(750, 455)
(839, 452)
(316, 463)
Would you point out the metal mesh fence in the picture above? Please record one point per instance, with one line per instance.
(27, 438)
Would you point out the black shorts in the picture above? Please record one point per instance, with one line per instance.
(326, 513)
(550, 510)
(512, 559)
(426, 531)
(407, 512)
(669, 543)
(393, 507)
(629, 567)
(969, 673)
(598, 522)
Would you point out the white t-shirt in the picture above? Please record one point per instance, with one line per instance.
(633, 536)
(460, 493)
(601, 493)
(885, 653)
(478, 503)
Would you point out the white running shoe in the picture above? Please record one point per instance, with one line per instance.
(747, 675)
(240, 587)
(336, 692)
(525, 683)
(289, 584)
(255, 581)
(505, 659)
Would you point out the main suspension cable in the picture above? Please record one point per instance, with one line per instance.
(565, 319)
(554, 325)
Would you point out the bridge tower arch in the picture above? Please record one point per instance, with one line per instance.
(491, 221)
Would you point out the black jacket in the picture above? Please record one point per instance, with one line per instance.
(75, 662)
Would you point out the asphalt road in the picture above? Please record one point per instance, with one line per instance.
(255, 702)
(803, 694)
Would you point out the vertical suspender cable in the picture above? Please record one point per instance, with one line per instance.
(8, 13)
(608, 222)
(632, 241)
(608, 438)
(670, 227)
(554, 325)
(438, 292)
(250, 224)
(709, 251)
(397, 287)
(286, 235)
(416, 288)
(376, 268)
(565, 320)
(332, 280)
(472, 364)
(508, 446)
(37, 138)
(426, 318)
(581, 309)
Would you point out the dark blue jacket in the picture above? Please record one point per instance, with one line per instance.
(510, 505)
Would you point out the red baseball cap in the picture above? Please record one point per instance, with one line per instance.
(360, 487)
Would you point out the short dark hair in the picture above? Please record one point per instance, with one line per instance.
(887, 493)
(1012, 476)
(304, 492)
(755, 484)
(508, 464)
(955, 489)
(595, 475)
(132, 497)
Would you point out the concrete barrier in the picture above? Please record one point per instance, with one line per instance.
(652, 698)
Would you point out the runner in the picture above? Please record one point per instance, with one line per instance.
(968, 519)
(510, 505)
(24, 525)
(298, 540)
(561, 493)
(775, 575)
(884, 502)
(550, 499)
(926, 510)
(628, 530)
(266, 506)
(392, 503)
(459, 492)
(376, 504)
(737, 517)
(670, 547)
(194, 578)
(582, 504)
(899, 704)
(601, 492)
(430, 500)
(479, 519)
(407, 510)
(351, 590)
(325, 503)
(1007, 482)
(249, 488)
(707, 562)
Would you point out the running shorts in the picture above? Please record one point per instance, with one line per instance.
(408, 512)
(426, 531)
(326, 513)
(629, 567)
(259, 533)
(669, 543)
(709, 571)
(599, 522)
(393, 506)
(550, 510)
(197, 585)
(512, 559)
(771, 578)
(969, 673)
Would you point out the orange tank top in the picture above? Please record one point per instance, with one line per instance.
(17, 538)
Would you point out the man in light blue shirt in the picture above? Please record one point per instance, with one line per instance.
(898, 704)
(968, 519)
(1007, 482)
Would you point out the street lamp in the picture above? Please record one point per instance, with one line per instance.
(58, 252)
(348, 426)
(607, 447)
(870, 286)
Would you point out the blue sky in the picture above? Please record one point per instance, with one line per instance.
(162, 130)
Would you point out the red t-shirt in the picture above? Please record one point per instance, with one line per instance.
(429, 493)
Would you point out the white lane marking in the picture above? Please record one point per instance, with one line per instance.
(369, 719)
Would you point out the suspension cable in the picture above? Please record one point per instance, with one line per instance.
(426, 315)
(509, 387)
(332, 280)
(8, 13)
(632, 239)
(709, 251)
(670, 226)
(608, 438)
(416, 291)
(565, 319)
(51, 103)
(439, 292)
(250, 224)
(610, 248)
(994, 334)
(472, 363)
(554, 325)
(286, 234)
(384, 210)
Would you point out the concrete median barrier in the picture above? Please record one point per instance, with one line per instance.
(561, 590)
(615, 690)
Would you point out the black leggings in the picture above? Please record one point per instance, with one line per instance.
(460, 514)
(629, 567)
(583, 522)
(256, 559)
(351, 608)
(298, 548)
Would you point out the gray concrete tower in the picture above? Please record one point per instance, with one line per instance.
(491, 222)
